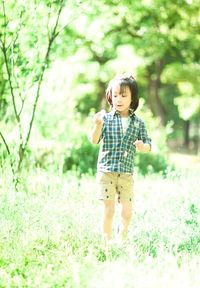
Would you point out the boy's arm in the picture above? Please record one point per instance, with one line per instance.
(143, 144)
(96, 133)
(97, 129)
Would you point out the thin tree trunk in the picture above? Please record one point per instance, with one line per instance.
(187, 134)
(15, 180)
(198, 140)
(154, 85)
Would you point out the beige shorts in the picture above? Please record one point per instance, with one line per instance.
(113, 184)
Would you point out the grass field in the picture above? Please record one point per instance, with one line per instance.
(50, 233)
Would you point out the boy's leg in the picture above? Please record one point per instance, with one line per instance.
(125, 198)
(126, 215)
(106, 193)
(108, 213)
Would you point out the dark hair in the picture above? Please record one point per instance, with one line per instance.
(124, 81)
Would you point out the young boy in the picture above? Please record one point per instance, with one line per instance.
(121, 132)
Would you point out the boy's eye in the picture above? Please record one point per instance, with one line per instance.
(123, 95)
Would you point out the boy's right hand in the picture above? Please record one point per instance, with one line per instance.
(98, 117)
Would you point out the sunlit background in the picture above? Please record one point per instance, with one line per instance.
(56, 59)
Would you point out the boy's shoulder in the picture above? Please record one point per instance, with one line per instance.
(138, 119)
(108, 115)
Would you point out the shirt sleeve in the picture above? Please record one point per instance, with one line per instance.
(103, 129)
(143, 135)
(102, 133)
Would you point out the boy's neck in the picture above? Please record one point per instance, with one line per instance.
(128, 113)
(124, 114)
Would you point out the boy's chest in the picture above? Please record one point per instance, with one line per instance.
(114, 131)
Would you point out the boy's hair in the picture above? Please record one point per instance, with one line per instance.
(124, 81)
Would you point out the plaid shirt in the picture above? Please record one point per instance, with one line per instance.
(118, 150)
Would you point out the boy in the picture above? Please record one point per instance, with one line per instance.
(121, 132)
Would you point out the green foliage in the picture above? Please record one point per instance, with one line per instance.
(191, 245)
(82, 157)
(187, 100)
(50, 233)
(148, 163)
(155, 161)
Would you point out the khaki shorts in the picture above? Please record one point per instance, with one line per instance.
(113, 184)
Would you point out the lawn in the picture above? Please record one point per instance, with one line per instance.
(50, 233)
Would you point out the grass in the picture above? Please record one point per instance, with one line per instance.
(50, 233)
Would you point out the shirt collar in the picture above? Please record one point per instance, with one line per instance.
(115, 112)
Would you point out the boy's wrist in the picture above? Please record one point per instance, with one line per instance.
(146, 147)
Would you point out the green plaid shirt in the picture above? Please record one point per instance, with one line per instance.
(118, 150)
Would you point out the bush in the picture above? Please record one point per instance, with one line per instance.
(148, 163)
(82, 157)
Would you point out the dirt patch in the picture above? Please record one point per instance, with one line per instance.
(185, 160)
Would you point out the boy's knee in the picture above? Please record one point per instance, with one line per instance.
(126, 215)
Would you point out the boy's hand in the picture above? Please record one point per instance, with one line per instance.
(98, 121)
(141, 146)
(98, 117)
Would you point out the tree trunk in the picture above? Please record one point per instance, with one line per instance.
(198, 140)
(187, 134)
(102, 93)
(154, 85)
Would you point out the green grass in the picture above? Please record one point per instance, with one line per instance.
(50, 233)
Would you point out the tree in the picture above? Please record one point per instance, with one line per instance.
(162, 33)
(28, 32)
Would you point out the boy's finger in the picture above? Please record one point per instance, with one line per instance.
(138, 142)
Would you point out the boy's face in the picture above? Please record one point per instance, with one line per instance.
(121, 99)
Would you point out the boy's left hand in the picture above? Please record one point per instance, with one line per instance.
(141, 146)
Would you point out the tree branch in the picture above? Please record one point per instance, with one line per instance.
(4, 50)
(43, 69)
(15, 180)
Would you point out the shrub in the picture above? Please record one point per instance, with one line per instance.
(82, 157)
(148, 163)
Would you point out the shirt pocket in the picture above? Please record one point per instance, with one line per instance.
(132, 135)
